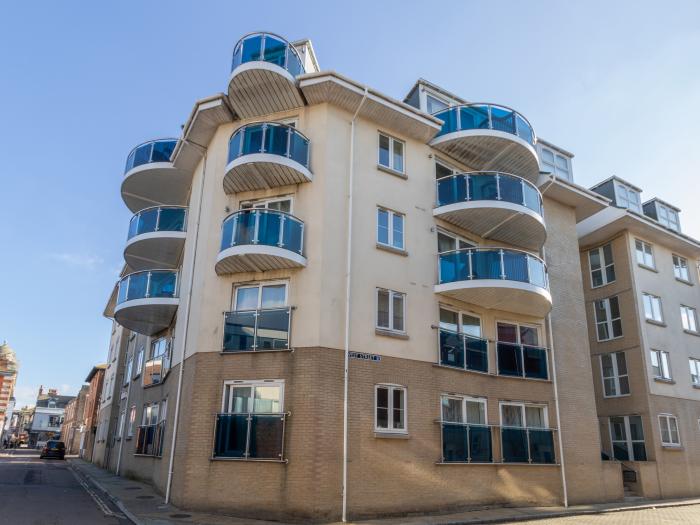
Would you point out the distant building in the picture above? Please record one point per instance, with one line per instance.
(48, 416)
(74, 422)
(8, 378)
(95, 380)
(21, 423)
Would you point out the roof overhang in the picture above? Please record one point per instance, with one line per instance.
(206, 117)
(94, 370)
(586, 203)
(330, 87)
(661, 201)
(612, 220)
(618, 179)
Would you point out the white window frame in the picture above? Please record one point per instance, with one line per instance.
(623, 198)
(463, 402)
(390, 419)
(608, 319)
(458, 240)
(670, 220)
(680, 266)
(429, 93)
(665, 421)
(663, 360)
(390, 227)
(132, 422)
(259, 286)
(604, 265)
(564, 173)
(652, 307)
(140, 354)
(523, 405)
(392, 140)
(392, 294)
(538, 328)
(447, 166)
(694, 365)
(460, 324)
(638, 243)
(628, 437)
(253, 383)
(616, 374)
(263, 204)
(120, 424)
(686, 312)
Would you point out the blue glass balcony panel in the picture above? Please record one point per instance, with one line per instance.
(541, 446)
(257, 330)
(454, 443)
(509, 359)
(480, 449)
(263, 227)
(268, 48)
(249, 436)
(148, 152)
(158, 219)
(514, 445)
(269, 137)
(463, 351)
(486, 264)
(266, 436)
(231, 435)
(485, 116)
(535, 362)
(147, 284)
(451, 349)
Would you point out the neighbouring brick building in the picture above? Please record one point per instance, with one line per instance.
(74, 422)
(95, 381)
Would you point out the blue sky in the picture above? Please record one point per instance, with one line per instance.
(81, 83)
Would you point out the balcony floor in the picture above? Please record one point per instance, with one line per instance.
(258, 171)
(155, 250)
(495, 294)
(261, 88)
(146, 316)
(154, 184)
(257, 258)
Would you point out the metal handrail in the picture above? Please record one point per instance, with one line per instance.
(137, 215)
(270, 123)
(127, 277)
(497, 174)
(257, 312)
(265, 125)
(495, 249)
(153, 141)
(265, 210)
(489, 105)
(258, 211)
(274, 35)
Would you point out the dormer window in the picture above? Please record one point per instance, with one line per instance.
(668, 217)
(626, 197)
(555, 163)
(434, 104)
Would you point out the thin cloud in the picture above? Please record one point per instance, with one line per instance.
(79, 260)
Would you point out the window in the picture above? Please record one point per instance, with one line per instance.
(127, 373)
(627, 438)
(460, 409)
(626, 197)
(390, 413)
(390, 228)
(602, 266)
(680, 268)
(615, 376)
(668, 217)
(120, 425)
(518, 351)
(689, 318)
(391, 153)
(442, 169)
(694, 371)
(466, 436)
(139, 360)
(652, 307)
(555, 163)
(132, 422)
(460, 341)
(660, 364)
(434, 104)
(645, 254)
(260, 296)
(390, 310)
(607, 319)
(448, 242)
(669, 430)
(525, 436)
(149, 439)
(460, 322)
(280, 204)
(158, 364)
(251, 422)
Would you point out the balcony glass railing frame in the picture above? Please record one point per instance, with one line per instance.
(468, 442)
(498, 175)
(503, 275)
(529, 445)
(284, 216)
(522, 348)
(249, 418)
(130, 159)
(157, 227)
(166, 360)
(257, 313)
(291, 130)
(238, 48)
(157, 444)
(490, 107)
(127, 279)
(464, 338)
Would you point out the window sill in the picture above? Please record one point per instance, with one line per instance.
(391, 249)
(148, 456)
(496, 464)
(656, 323)
(650, 268)
(392, 172)
(611, 339)
(275, 351)
(389, 333)
(664, 380)
(670, 446)
(250, 460)
(615, 397)
(684, 281)
(384, 434)
(602, 285)
(690, 332)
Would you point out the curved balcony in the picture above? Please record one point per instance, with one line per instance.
(156, 237)
(147, 301)
(266, 155)
(493, 205)
(150, 178)
(496, 278)
(487, 137)
(258, 240)
(263, 76)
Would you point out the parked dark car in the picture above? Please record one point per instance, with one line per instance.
(53, 449)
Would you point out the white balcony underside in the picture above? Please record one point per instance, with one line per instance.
(508, 296)
(155, 184)
(154, 250)
(257, 258)
(260, 88)
(258, 171)
(491, 150)
(146, 316)
(502, 221)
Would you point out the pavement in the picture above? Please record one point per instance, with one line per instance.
(144, 506)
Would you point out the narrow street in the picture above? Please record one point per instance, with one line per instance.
(35, 491)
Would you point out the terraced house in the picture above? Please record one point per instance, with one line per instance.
(339, 304)
(640, 274)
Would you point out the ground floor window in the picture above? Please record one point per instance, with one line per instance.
(149, 435)
(252, 421)
(466, 437)
(525, 436)
(390, 408)
(627, 438)
(669, 430)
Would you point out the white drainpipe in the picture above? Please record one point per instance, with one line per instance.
(187, 324)
(348, 303)
(128, 394)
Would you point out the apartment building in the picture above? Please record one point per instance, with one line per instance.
(640, 275)
(47, 418)
(338, 304)
(8, 377)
